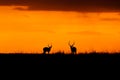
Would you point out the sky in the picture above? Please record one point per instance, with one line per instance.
(66, 5)
(30, 25)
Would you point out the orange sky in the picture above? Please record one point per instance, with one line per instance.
(30, 31)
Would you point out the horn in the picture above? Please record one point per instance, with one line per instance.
(48, 45)
(73, 43)
(69, 43)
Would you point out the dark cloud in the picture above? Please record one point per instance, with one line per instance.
(67, 5)
(21, 8)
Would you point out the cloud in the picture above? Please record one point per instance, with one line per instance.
(85, 33)
(67, 5)
(119, 32)
(21, 8)
(110, 19)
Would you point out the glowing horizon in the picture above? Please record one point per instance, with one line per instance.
(30, 31)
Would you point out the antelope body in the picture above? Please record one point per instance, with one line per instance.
(72, 48)
(47, 49)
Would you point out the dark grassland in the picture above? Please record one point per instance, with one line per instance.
(60, 58)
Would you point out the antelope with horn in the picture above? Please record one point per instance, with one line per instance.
(47, 49)
(72, 48)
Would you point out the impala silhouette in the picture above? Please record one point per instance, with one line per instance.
(72, 48)
(47, 49)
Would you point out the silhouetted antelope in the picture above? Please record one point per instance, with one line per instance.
(73, 49)
(47, 49)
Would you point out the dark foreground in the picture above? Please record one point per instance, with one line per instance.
(40, 59)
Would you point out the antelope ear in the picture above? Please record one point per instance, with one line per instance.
(51, 46)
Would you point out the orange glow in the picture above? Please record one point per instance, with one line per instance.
(30, 31)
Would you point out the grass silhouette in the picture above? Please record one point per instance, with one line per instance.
(61, 58)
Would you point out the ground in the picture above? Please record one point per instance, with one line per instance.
(40, 59)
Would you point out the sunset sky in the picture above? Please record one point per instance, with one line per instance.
(30, 25)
